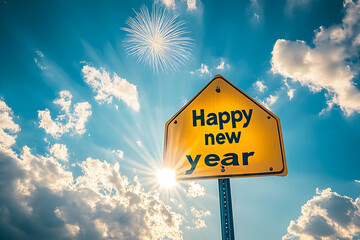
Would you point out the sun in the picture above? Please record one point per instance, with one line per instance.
(166, 178)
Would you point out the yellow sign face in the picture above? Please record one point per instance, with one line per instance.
(224, 133)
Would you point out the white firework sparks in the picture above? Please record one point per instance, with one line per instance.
(157, 39)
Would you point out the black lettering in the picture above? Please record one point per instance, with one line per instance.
(245, 156)
(247, 117)
(212, 158)
(193, 163)
(235, 119)
(207, 139)
(230, 156)
(201, 117)
(233, 137)
(221, 120)
(212, 119)
(220, 138)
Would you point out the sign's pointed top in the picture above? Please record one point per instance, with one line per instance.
(218, 76)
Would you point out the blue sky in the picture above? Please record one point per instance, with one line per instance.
(82, 121)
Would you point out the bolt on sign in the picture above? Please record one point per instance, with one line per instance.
(224, 133)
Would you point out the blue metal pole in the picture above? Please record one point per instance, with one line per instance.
(227, 227)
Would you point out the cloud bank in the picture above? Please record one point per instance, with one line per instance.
(327, 216)
(41, 199)
(330, 65)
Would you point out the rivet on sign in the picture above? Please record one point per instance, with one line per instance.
(218, 89)
(271, 168)
(222, 169)
(268, 117)
(175, 122)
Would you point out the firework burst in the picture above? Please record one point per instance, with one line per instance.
(157, 39)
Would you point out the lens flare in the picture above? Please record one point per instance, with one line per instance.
(166, 178)
(157, 39)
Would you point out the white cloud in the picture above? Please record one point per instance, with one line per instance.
(8, 128)
(39, 53)
(167, 3)
(73, 229)
(256, 9)
(327, 216)
(290, 91)
(191, 5)
(43, 172)
(139, 143)
(199, 213)
(260, 86)
(40, 62)
(107, 87)
(59, 151)
(176, 202)
(119, 153)
(102, 203)
(269, 101)
(198, 222)
(223, 65)
(206, 70)
(203, 69)
(329, 64)
(195, 190)
(73, 120)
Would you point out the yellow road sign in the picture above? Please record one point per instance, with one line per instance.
(223, 133)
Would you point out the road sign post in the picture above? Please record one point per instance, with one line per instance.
(223, 133)
(227, 225)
